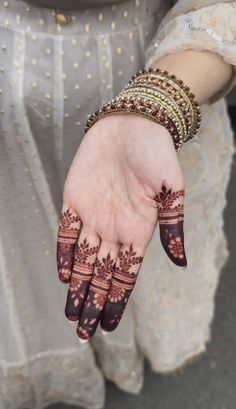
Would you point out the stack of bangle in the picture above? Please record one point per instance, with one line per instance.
(160, 96)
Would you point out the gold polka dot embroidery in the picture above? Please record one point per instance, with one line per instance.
(66, 98)
(73, 18)
(17, 18)
(77, 87)
(137, 3)
(48, 74)
(76, 65)
(87, 27)
(120, 72)
(34, 61)
(61, 19)
(125, 14)
(132, 58)
(48, 51)
(87, 54)
(34, 84)
(41, 22)
(48, 96)
(88, 76)
(73, 41)
(136, 20)
(108, 86)
(34, 37)
(64, 76)
(130, 35)
(113, 25)
(100, 17)
(119, 50)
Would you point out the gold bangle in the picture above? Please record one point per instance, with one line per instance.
(160, 96)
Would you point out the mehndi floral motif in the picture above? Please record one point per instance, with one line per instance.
(84, 261)
(66, 240)
(96, 297)
(122, 284)
(171, 218)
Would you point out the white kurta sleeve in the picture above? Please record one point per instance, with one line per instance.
(200, 25)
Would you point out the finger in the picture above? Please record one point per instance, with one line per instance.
(85, 255)
(98, 290)
(128, 263)
(67, 237)
(170, 203)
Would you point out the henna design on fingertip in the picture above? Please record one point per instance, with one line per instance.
(66, 240)
(123, 282)
(171, 219)
(96, 298)
(85, 256)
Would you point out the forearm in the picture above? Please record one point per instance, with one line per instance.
(204, 72)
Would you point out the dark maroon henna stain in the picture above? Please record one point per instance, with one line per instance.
(171, 218)
(122, 284)
(85, 256)
(66, 240)
(96, 297)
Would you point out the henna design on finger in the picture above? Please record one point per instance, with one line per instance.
(122, 284)
(83, 267)
(171, 218)
(96, 297)
(66, 240)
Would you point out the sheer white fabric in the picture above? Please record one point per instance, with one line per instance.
(49, 83)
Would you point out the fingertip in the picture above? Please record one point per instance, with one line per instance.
(179, 261)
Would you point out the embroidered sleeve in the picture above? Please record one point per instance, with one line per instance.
(201, 25)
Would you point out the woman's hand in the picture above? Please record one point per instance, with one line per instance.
(125, 176)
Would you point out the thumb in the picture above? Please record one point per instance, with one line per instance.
(170, 204)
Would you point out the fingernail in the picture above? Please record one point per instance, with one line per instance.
(104, 332)
(82, 340)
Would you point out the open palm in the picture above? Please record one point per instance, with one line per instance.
(124, 178)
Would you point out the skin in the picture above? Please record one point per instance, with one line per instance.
(124, 177)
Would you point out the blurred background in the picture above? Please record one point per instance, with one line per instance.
(210, 381)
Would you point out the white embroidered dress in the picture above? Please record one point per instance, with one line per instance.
(52, 76)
